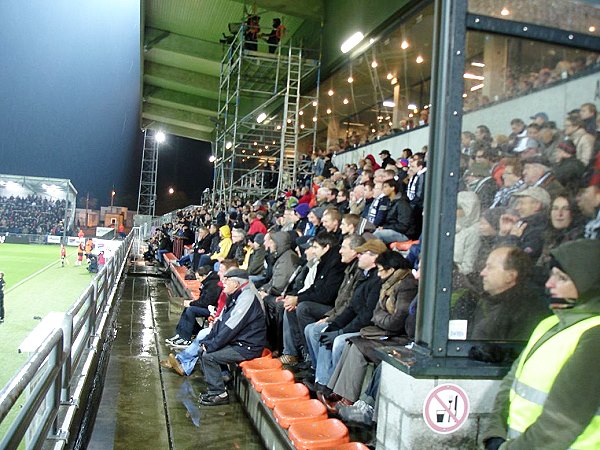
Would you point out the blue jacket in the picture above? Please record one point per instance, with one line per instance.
(241, 325)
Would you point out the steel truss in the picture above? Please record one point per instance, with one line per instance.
(254, 83)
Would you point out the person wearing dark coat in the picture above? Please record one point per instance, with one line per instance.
(398, 224)
(568, 170)
(325, 348)
(209, 294)
(386, 159)
(323, 290)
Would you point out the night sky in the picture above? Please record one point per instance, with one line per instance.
(70, 99)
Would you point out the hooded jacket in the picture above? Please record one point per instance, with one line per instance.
(573, 399)
(467, 242)
(284, 264)
(224, 244)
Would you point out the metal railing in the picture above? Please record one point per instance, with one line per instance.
(47, 390)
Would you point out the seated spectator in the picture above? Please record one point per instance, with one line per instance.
(256, 225)
(285, 263)
(588, 114)
(512, 182)
(386, 159)
(566, 225)
(397, 291)
(342, 202)
(583, 141)
(187, 327)
(517, 139)
(568, 170)
(225, 244)
(527, 230)
(239, 335)
(466, 242)
(255, 256)
(349, 224)
(479, 181)
(398, 223)
(416, 189)
(200, 247)
(537, 172)
(509, 309)
(322, 289)
(331, 222)
(327, 340)
(558, 365)
(588, 200)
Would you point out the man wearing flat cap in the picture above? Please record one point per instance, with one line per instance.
(386, 159)
(239, 334)
(527, 230)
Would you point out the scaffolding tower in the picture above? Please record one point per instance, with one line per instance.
(149, 171)
(264, 118)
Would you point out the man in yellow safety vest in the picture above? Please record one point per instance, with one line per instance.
(550, 399)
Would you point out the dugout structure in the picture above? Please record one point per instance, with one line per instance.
(45, 188)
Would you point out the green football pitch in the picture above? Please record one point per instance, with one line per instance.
(36, 284)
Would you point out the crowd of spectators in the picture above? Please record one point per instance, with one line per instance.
(335, 262)
(31, 215)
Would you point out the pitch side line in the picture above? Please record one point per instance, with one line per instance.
(43, 269)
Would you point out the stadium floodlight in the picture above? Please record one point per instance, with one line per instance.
(228, 145)
(389, 103)
(261, 117)
(412, 106)
(212, 158)
(352, 42)
(160, 137)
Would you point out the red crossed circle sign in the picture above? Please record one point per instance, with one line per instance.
(446, 408)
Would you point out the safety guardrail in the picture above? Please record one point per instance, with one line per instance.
(48, 388)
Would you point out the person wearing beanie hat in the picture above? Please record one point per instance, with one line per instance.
(302, 210)
(549, 398)
(568, 170)
(291, 202)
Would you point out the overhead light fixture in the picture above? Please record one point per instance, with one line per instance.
(374, 64)
(301, 113)
(350, 79)
(352, 42)
(412, 106)
(592, 29)
(289, 121)
(465, 95)
(255, 144)
(228, 145)
(504, 12)
(160, 137)
(470, 76)
(330, 92)
(394, 80)
(373, 130)
(419, 59)
(279, 127)
(475, 88)
(388, 103)
(261, 117)
(345, 101)
(391, 124)
(273, 142)
(266, 148)
(314, 118)
(404, 45)
(389, 76)
(328, 110)
(314, 103)
(411, 115)
(212, 158)
(302, 126)
(477, 64)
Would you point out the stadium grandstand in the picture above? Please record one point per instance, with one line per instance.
(400, 249)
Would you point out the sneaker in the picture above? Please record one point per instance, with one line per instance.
(181, 343)
(360, 412)
(288, 360)
(214, 400)
(172, 339)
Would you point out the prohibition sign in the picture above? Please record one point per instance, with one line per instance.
(446, 408)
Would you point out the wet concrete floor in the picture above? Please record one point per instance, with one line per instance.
(144, 406)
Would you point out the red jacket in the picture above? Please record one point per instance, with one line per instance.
(257, 227)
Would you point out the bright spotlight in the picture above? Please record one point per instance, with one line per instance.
(261, 117)
(352, 42)
(212, 158)
(160, 137)
(389, 104)
(228, 145)
(171, 191)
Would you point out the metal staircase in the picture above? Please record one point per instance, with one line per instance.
(264, 117)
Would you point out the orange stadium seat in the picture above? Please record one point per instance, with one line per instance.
(257, 365)
(289, 413)
(351, 446)
(271, 377)
(266, 354)
(328, 433)
(402, 246)
(273, 395)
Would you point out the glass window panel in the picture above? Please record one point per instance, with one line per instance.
(528, 137)
(582, 16)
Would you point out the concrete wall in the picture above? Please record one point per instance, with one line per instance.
(400, 412)
(555, 101)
